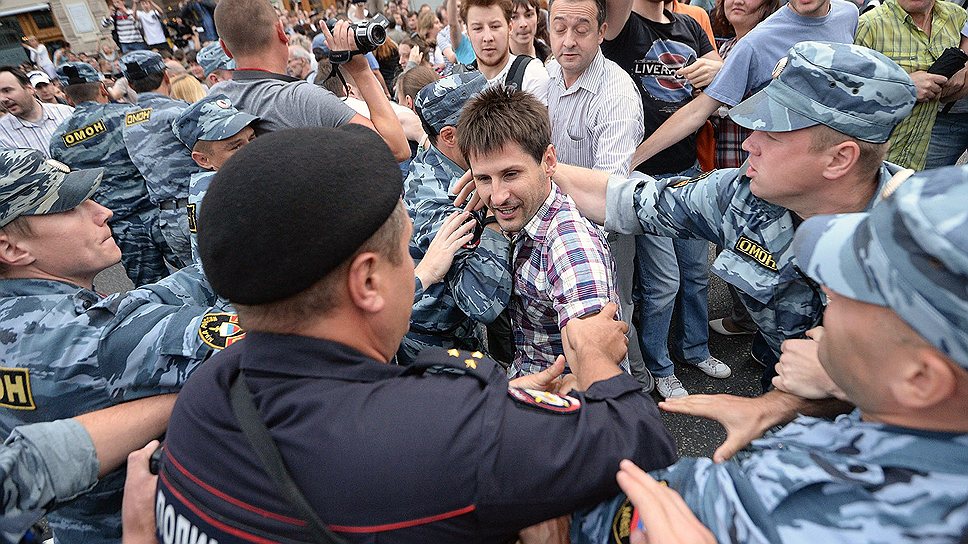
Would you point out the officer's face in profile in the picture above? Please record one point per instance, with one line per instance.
(513, 184)
(398, 290)
(74, 245)
(783, 167)
(212, 155)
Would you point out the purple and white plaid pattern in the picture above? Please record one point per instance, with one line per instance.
(562, 270)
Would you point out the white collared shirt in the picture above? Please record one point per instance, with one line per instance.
(16, 132)
(598, 121)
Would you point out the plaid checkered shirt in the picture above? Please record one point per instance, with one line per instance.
(562, 270)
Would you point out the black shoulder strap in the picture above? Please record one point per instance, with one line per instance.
(515, 75)
(253, 75)
(255, 430)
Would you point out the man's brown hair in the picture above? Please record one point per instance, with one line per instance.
(871, 155)
(502, 115)
(83, 92)
(246, 26)
(505, 6)
(289, 314)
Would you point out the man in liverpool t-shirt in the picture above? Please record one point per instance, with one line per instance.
(652, 44)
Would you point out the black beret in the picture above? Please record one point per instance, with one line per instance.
(292, 206)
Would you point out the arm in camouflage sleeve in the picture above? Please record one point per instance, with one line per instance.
(480, 278)
(153, 336)
(696, 208)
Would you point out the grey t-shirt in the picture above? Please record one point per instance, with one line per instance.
(749, 66)
(281, 104)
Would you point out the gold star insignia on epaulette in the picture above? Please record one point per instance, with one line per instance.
(471, 363)
(453, 353)
(477, 355)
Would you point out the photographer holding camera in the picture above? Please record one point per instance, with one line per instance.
(251, 34)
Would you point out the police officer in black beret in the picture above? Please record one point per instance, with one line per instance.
(302, 432)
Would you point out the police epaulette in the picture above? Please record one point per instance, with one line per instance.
(453, 362)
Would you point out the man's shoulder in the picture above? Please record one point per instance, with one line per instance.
(60, 109)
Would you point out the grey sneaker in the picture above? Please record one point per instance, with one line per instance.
(714, 367)
(670, 387)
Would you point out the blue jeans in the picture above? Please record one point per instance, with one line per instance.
(134, 46)
(949, 139)
(667, 267)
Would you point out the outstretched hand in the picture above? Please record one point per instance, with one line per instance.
(455, 232)
(552, 379)
(664, 515)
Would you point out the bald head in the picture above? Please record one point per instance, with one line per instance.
(246, 27)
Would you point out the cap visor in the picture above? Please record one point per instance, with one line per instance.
(239, 121)
(829, 249)
(763, 112)
(76, 187)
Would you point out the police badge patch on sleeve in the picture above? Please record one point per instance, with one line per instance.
(15, 389)
(544, 400)
(220, 330)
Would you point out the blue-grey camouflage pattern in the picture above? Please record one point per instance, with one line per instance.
(196, 193)
(65, 350)
(845, 481)
(138, 64)
(165, 163)
(210, 119)
(849, 88)
(42, 465)
(909, 253)
(477, 287)
(32, 185)
(440, 103)
(212, 57)
(92, 138)
(756, 237)
(85, 73)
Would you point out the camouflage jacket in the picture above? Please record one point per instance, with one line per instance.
(162, 159)
(41, 466)
(756, 238)
(65, 350)
(197, 188)
(92, 138)
(478, 286)
(821, 481)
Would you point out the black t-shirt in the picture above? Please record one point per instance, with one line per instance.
(651, 53)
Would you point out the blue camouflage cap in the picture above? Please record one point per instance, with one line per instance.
(439, 104)
(212, 57)
(211, 119)
(140, 64)
(910, 254)
(849, 88)
(32, 184)
(74, 73)
(319, 42)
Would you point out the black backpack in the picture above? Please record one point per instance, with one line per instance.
(514, 77)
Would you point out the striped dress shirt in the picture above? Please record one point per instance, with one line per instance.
(890, 30)
(597, 122)
(17, 132)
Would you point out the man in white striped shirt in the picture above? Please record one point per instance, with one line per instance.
(29, 122)
(596, 122)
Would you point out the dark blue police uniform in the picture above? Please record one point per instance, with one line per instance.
(439, 451)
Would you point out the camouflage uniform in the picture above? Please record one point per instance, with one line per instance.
(163, 161)
(756, 235)
(851, 480)
(211, 119)
(478, 286)
(92, 138)
(41, 465)
(66, 350)
(212, 57)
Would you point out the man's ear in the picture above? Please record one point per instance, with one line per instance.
(550, 160)
(448, 135)
(841, 159)
(928, 381)
(225, 48)
(363, 283)
(281, 33)
(13, 252)
(202, 160)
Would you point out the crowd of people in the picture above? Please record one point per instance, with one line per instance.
(424, 289)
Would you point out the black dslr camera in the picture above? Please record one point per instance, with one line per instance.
(369, 34)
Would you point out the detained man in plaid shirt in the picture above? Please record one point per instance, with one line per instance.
(561, 263)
